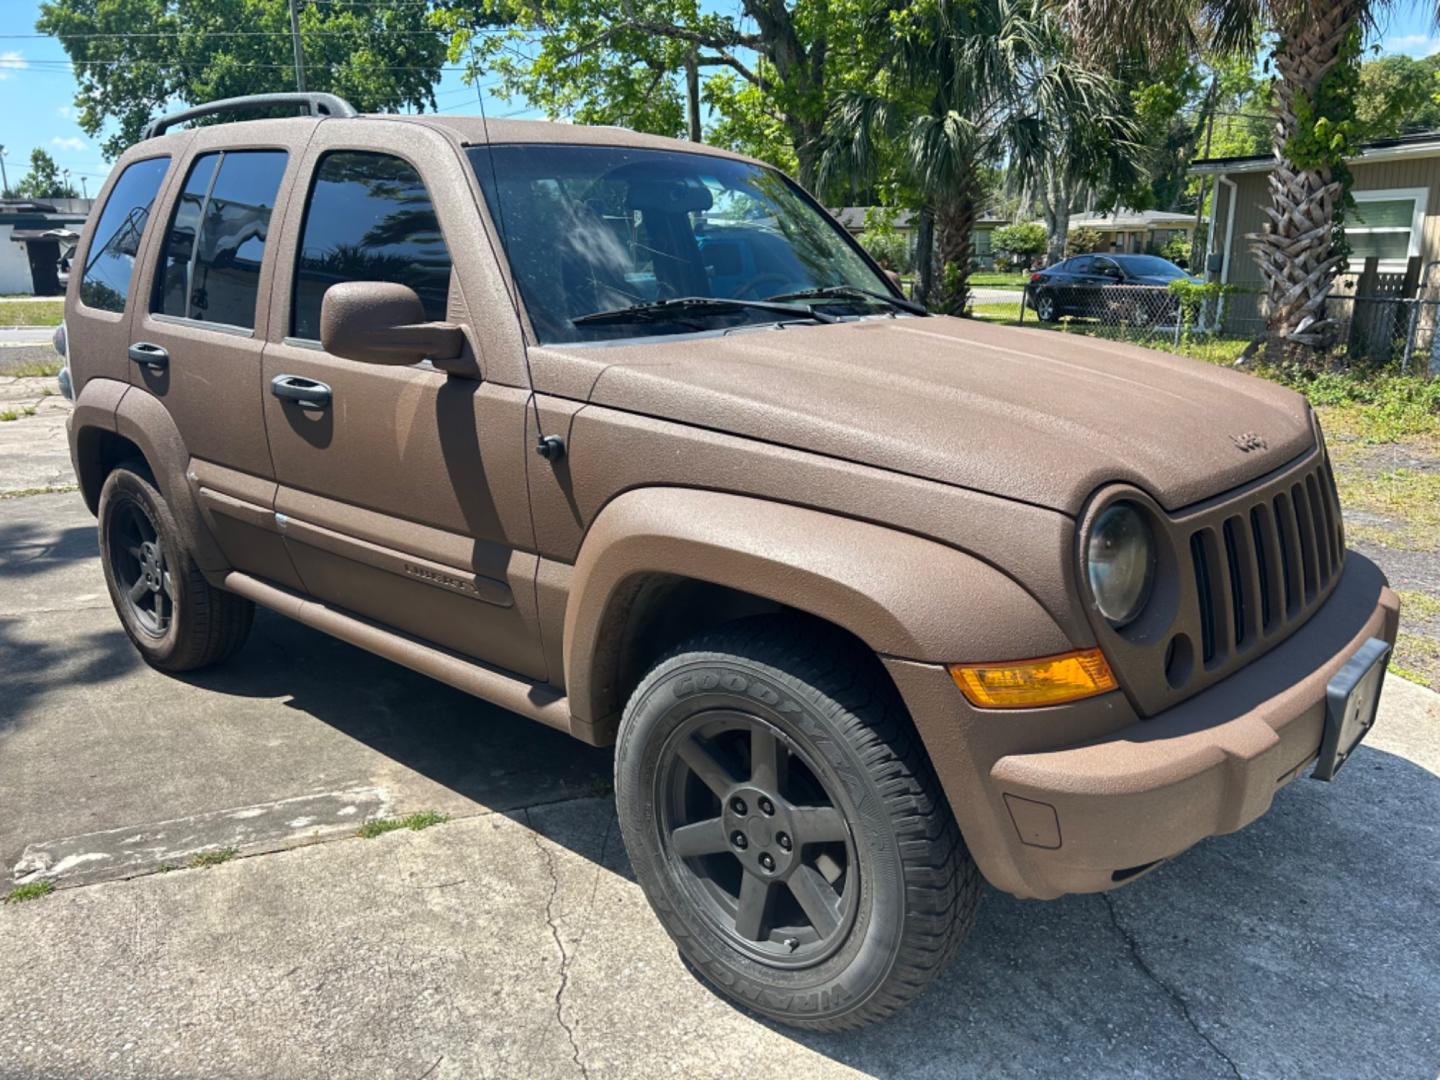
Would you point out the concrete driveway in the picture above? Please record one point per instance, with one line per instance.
(512, 942)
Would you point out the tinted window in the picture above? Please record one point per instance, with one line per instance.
(369, 219)
(210, 265)
(111, 258)
(1151, 266)
(1083, 265)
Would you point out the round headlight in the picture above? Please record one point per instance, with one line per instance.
(1121, 563)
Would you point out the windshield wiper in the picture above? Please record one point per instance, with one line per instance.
(681, 306)
(840, 292)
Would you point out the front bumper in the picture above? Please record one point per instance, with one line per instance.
(1124, 793)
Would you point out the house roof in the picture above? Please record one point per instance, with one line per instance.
(1422, 144)
(1131, 219)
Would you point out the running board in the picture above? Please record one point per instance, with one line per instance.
(535, 701)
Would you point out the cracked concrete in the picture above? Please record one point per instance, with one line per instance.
(512, 941)
(1174, 995)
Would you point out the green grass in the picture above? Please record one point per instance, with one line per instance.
(33, 891)
(32, 313)
(422, 820)
(1007, 278)
(213, 858)
(35, 369)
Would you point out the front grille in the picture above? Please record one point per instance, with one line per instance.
(1237, 575)
(1265, 564)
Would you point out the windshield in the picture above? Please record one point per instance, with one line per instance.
(594, 228)
(1151, 266)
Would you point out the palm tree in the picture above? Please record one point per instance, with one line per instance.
(1316, 53)
(959, 85)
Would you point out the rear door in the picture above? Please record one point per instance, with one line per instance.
(101, 295)
(402, 492)
(194, 343)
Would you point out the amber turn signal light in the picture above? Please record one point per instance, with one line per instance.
(1025, 684)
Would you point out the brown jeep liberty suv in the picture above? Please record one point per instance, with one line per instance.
(629, 437)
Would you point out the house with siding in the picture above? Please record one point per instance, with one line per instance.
(1395, 221)
(906, 223)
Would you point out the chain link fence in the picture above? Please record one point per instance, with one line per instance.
(1374, 330)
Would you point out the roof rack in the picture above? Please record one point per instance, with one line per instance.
(315, 105)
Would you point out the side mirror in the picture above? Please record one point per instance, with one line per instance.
(378, 322)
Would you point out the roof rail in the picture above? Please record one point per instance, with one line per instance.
(315, 105)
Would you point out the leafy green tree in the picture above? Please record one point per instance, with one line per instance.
(379, 54)
(44, 180)
(959, 86)
(768, 68)
(1396, 95)
(1315, 54)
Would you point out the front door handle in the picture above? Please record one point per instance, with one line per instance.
(307, 393)
(152, 356)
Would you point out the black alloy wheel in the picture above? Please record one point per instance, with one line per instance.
(138, 561)
(757, 838)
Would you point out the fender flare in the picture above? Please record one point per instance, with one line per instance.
(141, 418)
(902, 595)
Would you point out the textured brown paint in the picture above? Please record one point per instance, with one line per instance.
(924, 484)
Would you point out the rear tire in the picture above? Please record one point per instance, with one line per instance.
(786, 825)
(1045, 309)
(176, 619)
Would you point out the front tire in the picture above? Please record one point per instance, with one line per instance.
(176, 619)
(787, 827)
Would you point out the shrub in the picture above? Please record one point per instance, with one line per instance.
(1017, 243)
(888, 248)
(1083, 241)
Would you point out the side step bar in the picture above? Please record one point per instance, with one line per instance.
(535, 701)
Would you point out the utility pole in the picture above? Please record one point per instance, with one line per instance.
(84, 192)
(4, 180)
(692, 94)
(299, 52)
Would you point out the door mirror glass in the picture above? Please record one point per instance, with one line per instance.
(379, 322)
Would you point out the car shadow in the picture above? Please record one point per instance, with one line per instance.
(480, 752)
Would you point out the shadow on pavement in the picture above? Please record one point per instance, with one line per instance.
(479, 751)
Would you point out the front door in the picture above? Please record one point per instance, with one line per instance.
(401, 495)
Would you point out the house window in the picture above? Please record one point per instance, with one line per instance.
(1386, 224)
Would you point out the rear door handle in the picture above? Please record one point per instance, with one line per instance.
(307, 393)
(152, 356)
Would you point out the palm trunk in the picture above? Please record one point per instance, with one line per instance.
(1294, 250)
(1056, 196)
(955, 224)
(925, 256)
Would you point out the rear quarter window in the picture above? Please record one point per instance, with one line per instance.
(110, 261)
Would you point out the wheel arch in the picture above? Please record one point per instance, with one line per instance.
(143, 427)
(659, 564)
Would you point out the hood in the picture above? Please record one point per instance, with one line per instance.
(1036, 415)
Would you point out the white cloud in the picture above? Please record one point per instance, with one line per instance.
(1412, 44)
(67, 112)
(70, 142)
(12, 61)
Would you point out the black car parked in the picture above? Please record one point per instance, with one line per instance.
(1114, 288)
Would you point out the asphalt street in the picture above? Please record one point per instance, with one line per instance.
(511, 941)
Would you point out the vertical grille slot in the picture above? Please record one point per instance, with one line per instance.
(1289, 553)
(1235, 562)
(1320, 520)
(1305, 530)
(1204, 596)
(1267, 563)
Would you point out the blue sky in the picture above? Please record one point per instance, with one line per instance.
(37, 90)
